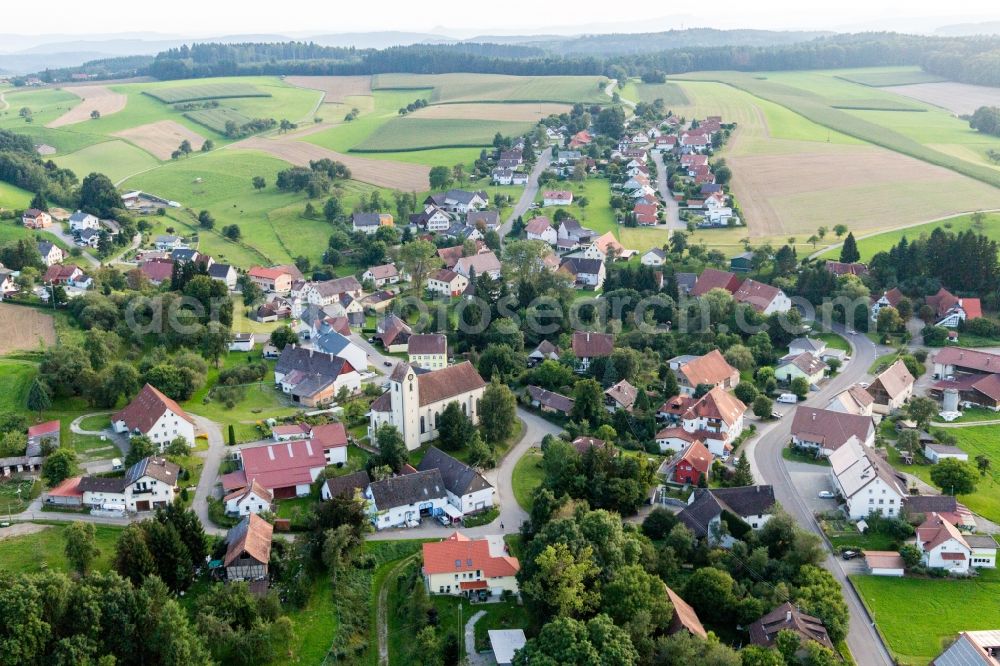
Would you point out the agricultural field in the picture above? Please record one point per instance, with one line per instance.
(161, 139)
(198, 92)
(871, 245)
(959, 98)
(334, 88)
(45, 105)
(671, 93)
(92, 98)
(890, 76)
(916, 638)
(25, 329)
(12, 196)
(450, 88)
(791, 175)
(488, 111)
(44, 549)
(116, 159)
(406, 133)
(216, 119)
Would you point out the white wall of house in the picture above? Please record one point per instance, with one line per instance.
(550, 236)
(335, 455)
(984, 558)
(450, 583)
(726, 433)
(934, 558)
(428, 361)
(477, 501)
(166, 428)
(397, 516)
(247, 504)
(875, 496)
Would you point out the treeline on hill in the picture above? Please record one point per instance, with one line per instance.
(20, 165)
(972, 60)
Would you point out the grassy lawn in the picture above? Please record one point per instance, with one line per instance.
(44, 550)
(528, 475)
(500, 615)
(882, 362)
(597, 215)
(789, 454)
(15, 380)
(945, 608)
(833, 341)
(671, 93)
(96, 422)
(972, 414)
(289, 508)
(315, 624)
(13, 197)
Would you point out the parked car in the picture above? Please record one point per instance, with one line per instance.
(444, 519)
(775, 415)
(826, 494)
(850, 554)
(387, 364)
(788, 398)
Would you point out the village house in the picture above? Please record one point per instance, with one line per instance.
(340, 345)
(39, 434)
(891, 388)
(66, 493)
(763, 298)
(483, 219)
(853, 400)
(393, 333)
(703, 515)
(710, 369)
(459, 201)
(382, 275)
(540, 228)
(67, 274)
(36, 219)
(148, 485)
(369, 223)
(545, 351)
(484, 263)
(693, 465)
(276, 280)
(241, 342)
(823, 431)
(447, 283)
(432, 219)
(549, 402)
(953, 362)
(329, 292)
(571, 234)
(620, 396)
(467, 490)
(167, 242)
(428, 351)
(935, 452)
(715, 419)
(839, 268)
(348, 486)
(157, 272)
(285, 469)
(255, 498)
(654, 257)
(156, 416)
(865, 481)
(950, 309)
(248, 550)
(711, 278)
(942, 546)
(8, 282)
(402, 501)
(800, 366)
(51, 253)
(414, 402)
(888, 299)
(585, 273)
(786, 617)
(224, 273)
(684, 618)
(331, 438)
(588, 345)
(80, 221)
(972, 648)
(557, 198)
(468, 567)
(313, 378)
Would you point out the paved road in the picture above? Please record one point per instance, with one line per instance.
(209, 479)
(530, 191)
(769, 466)
(57, 231)
(376, 358)
(511, 514)
(673, 209)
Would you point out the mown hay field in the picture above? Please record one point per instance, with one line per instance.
(891, 76)
(25, 329)
(671, 93)
(216, 119)
(960, 98)
(92, 98)
(407, 133)
(524, 112)
(499, 87)
(194, 93)
(115, 159)
(334, 88)
(162, 138)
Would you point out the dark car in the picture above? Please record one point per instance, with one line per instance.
(850, 554)
(387, 364)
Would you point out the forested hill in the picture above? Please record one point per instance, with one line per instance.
(966, 59)
(651, 42)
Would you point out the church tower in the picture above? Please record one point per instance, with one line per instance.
(406, 404)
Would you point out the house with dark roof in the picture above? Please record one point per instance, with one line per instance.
(787, 617)
(468, 490)
(749, 506)
(483, 219)
(824, 431)
(545, 351)
(415, 401)
(585, 273)
(345, 486)
(402, 501)
(588, 346)
(393, 333)
(224, 273)
(550, 402)
(428, 351)
(147, 485)
(248, 549)
(156, 416)
(51, 253)
(369, 223)
(972, 648)
(312, 377)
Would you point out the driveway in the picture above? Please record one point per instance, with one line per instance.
(376, 358)
(530, 192)
(208, 484)
(57, 231)
(511, 513)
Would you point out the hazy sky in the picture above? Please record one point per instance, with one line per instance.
(217, 17)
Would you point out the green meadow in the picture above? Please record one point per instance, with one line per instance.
(872, 245)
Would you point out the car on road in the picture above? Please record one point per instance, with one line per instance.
(863, 385)
(776, 415)
(371, 341)
(387, 364)
(851, 331)
(826, 494)
(850, 554)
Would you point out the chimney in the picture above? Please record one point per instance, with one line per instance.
(788, 616)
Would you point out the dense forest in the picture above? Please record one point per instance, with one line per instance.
(965, 59)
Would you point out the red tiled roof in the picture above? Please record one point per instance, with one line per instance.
(711, 279)
(711, 368)
(157, 271)
(697, 456)
(267, 273)
(559, 195)
(234, 480)
(447, 382)
(68, 488)
(473, 585)
(538, 225)
(968, 359)
(717, 404)
(684, 616)
(458, 553)
(757, 294)
(587, 344)
(146, 408)
(330, 435)
(283, 464)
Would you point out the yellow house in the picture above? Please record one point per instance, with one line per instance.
(459, 565)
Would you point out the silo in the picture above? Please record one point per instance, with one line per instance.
(949, 400)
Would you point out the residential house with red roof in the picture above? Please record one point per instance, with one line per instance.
(285, 469)
(588, 345)
(694, 464)
(156, 416)
(951, 309)
(764, 298)
(468, 567)
(414, 402)
(715, 419)
(839, 268)
(890, 299)
(557, 198)
(157, 272)
(684, 617)
(447, 283)
(709, 369)
(942, 546)
(540, 228)
(712, 278)
(248, 549)
(36, 219)
(276, 280)
(786, 617)
(824, 431)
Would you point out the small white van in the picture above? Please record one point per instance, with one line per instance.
(789, 398)
(116, 464)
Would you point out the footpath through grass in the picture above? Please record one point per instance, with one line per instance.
(919, 617)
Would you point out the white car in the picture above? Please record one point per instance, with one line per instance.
(826, 494)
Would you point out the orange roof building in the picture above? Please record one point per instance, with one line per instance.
(459, 565)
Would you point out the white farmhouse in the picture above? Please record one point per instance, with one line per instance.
(156, 416)
(149, 484)
(865, 481)
(468, 491)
